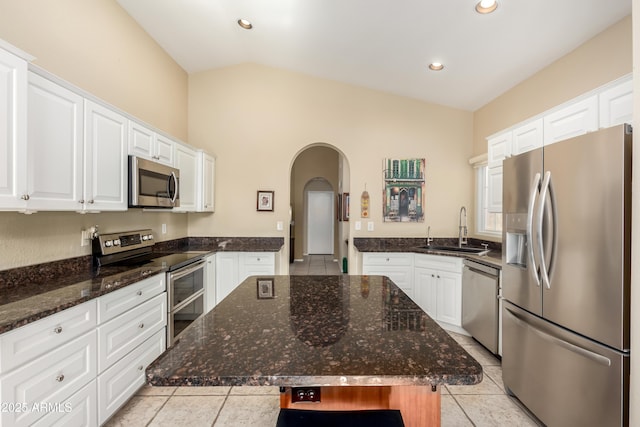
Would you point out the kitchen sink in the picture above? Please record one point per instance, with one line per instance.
(464, 249)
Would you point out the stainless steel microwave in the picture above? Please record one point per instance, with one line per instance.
(152, 184)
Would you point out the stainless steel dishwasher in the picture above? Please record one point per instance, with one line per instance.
(481, 303)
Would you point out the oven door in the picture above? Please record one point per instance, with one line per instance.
(183, 316)
(184, 283)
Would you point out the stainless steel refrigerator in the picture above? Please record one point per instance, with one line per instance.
(566, 285)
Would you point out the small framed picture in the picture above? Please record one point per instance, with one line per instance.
(265, 201)
(345, 206)
(265, 288)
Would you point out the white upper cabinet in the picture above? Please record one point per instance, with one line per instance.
(186, 160)
(54, 146)
(616, 104)
(105, 172)
(499, 148)
(206, 182)
(145, 142)
(577, 118)
(13, 130)
(527, 137)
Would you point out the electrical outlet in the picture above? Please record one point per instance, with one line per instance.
(358, 225)
(85, 239)
(279, 225)
(164, 228)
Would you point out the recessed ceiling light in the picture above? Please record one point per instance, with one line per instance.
(436, 66)
(245, 24)
(486, 6)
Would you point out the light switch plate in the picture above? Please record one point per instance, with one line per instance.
(358, 225)
(370, 226)
(280, 225)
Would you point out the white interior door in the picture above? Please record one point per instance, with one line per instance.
(320, 211)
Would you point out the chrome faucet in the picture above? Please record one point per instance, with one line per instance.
(462, 227)
(429, 239)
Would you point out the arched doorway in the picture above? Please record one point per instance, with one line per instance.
(317, 168)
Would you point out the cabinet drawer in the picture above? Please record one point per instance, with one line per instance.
(117, 302)
(258, 258)
(80, 410)
(118, 383)
(51, 378)
(439, 262)
(386, 258)
(119, 336)
(35, 339)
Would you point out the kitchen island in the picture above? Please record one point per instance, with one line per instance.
(359, 338)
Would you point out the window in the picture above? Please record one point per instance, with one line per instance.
(488, 222)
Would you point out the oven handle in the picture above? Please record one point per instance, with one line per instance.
(186, 270)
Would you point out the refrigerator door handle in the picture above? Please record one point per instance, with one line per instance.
(544, 269)
(532, 199)
(598, 358)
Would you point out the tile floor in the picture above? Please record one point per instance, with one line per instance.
(484, 404)
(313, 265)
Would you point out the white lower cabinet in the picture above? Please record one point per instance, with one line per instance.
(80, 410)
(123, 334)
(118, 383)
(438, 289)
(395, 265)
(233, 267)
(51, 379)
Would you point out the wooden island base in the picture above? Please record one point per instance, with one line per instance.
(419, 405)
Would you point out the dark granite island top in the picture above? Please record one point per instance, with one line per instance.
(315, 331)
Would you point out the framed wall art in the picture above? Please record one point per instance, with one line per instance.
(403, 190)
(265, 288)
(265, 201)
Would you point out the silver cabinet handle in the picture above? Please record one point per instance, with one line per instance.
(140, 368)
(141, 325)
(81, 201)
(60, 378)
(90, 202)
(57, 329)
(139, 293)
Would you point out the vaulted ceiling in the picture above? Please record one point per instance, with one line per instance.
(381, 44)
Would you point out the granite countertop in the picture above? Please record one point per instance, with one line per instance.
(28, 294)
(418, 245)
(315, 331)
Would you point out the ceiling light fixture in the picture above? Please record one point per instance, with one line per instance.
(245, 24)
(436, 66)
(486, 6)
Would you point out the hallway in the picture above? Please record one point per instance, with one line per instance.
(314, 265)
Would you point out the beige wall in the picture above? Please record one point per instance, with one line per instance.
(257, 119)
(600, 60)
(96, 46)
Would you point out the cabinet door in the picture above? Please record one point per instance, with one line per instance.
(425, 290)
(122, 380)
(51, 378)
(13, 131)
(105, 173)
(575, 119)
(206, 182)
(616, 104)
(55, 146)
(186, 160)
(164, 150)
(401, 276)
(80, 410)
(119, 336)
(256, 264)
(527, 137)
(226, 274)
(36, 339)
(141, 141)
(449, 298)
(499, 148)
